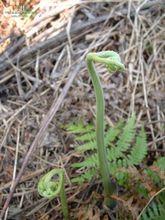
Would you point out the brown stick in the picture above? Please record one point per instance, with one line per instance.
(45, 45)
(40, 135)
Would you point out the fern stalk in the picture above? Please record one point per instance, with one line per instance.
(113, 63)
(50, 189)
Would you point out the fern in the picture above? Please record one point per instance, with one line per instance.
(155, 209)
(161, 163)
(113, 133)
(139, 150)
(87, 176)
(79, 128)
(121, 152)
(90, 161)
(87, 136)
(126, 137)
(91, 145)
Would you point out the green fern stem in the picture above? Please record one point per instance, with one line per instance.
(113, 63)
(50, 189)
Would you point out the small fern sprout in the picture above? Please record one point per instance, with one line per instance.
(50, 189)
(113, 63)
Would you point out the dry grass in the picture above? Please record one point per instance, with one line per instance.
(45, 69)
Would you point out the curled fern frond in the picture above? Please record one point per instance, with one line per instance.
(49, 188)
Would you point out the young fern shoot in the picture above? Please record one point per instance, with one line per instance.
(113, 63)
(50, 189)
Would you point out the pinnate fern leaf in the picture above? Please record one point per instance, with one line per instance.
(155, 209)
(90, 161)
(86, 137)
(161, 163)
(79, 128)
(126, 137)
(139, 150)
(121, 152)
(86, 176)
(91, 145)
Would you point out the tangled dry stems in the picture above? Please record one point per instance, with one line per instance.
(37, 66)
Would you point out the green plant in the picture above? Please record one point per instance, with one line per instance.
(113, 63)
(160, 163)
(50, 189)
(125, 149)
(156, 172)
(155, 208)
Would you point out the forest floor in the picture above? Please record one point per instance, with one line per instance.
(44, 86)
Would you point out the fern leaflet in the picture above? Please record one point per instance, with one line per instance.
(155, 209)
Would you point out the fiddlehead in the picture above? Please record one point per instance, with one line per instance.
(49, 188)
(113, 63)
(111, 60)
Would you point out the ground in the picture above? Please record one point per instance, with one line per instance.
(44, 85)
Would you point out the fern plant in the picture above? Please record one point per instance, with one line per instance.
(113, 63)
(49, 188)
(157, 172)
(124, 149)
(155, 208)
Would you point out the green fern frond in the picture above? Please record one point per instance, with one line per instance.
(113, 133)
(128, 134)
(87, 137)
(155, 209)
(113, 154)
(133, 158)
(90, 138)
(87, 146)
(90, 161)
(87, 176)
(85, 134)
(161, 163)
(116, 152)
(139, 150)
(121, 153)
(79, 128)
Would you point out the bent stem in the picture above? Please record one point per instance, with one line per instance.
(113, 63)
(50, 189)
